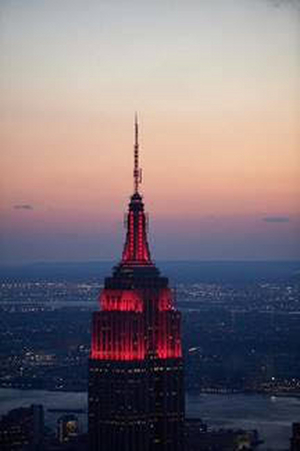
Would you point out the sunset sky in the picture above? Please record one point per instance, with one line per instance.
(216, 85)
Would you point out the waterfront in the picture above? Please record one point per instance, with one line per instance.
(271, 416)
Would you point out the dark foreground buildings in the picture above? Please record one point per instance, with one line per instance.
(22, 429)
(295, 440)
(136, 394)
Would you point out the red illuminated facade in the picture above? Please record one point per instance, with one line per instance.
(136, 371)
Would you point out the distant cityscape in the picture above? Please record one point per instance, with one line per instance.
(237, 338)
(169, 321)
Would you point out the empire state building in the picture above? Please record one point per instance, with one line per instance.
(136, 393)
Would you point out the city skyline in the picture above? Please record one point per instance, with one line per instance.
(217, 92)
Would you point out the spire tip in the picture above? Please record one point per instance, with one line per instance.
(136, 170)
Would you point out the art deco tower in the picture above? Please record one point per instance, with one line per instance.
(136, 394)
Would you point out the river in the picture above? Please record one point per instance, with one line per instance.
(271, 416)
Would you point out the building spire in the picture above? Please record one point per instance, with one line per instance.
(136, 249)
(137, 172)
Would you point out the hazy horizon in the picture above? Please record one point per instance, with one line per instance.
(216, 85)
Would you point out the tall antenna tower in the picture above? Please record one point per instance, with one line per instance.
(137, 171)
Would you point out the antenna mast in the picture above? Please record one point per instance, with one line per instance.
(137, 172)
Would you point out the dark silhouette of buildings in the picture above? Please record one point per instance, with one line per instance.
(22, 428)
(136, 394)
(201, 438)
(295, 440)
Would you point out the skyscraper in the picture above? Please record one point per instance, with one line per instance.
(136, 394)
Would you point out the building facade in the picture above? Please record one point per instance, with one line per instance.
(136, 393)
